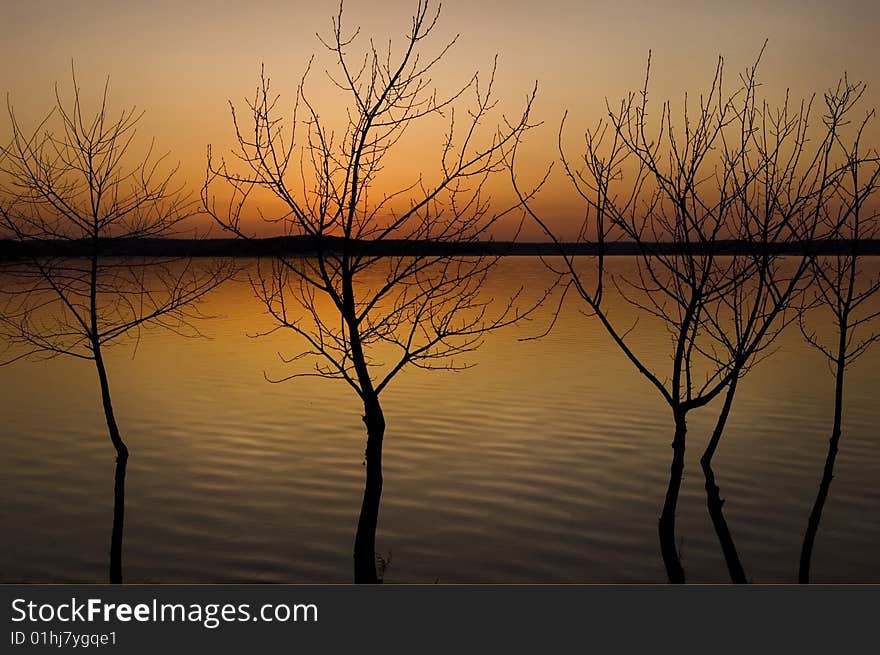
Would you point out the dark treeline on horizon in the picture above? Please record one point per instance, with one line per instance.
(11, 250)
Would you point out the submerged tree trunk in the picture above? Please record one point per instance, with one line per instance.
(365, 539)
(666, 528)
(119, 478)
(827, 474)
(714, 502)
(118, 521)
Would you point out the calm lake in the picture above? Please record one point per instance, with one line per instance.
(546, 462)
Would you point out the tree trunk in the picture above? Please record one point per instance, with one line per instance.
(118, 520)
(712, 446)
(119, 478)
(666, 528)
(112, 427)
(827, 475)
(715, 505)
(714, 502)
(365, 539)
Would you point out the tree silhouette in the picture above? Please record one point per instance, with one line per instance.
(732, 169)
(72, 190)
(379, 295)
(842, 290)
(785, 189)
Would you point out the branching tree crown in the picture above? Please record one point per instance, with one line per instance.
(843, 286)
(422, 306)
(73, 190)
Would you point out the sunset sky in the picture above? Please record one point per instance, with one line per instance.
(182, 61)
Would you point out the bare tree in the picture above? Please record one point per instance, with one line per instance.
(785, 189)
(73, 193)
(843, 290)
(711, 205)
(393, 283)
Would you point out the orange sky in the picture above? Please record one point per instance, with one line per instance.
(181, 61)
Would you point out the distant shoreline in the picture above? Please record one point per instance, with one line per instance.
(11, 250)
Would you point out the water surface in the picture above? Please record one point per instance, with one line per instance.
(546, 462)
